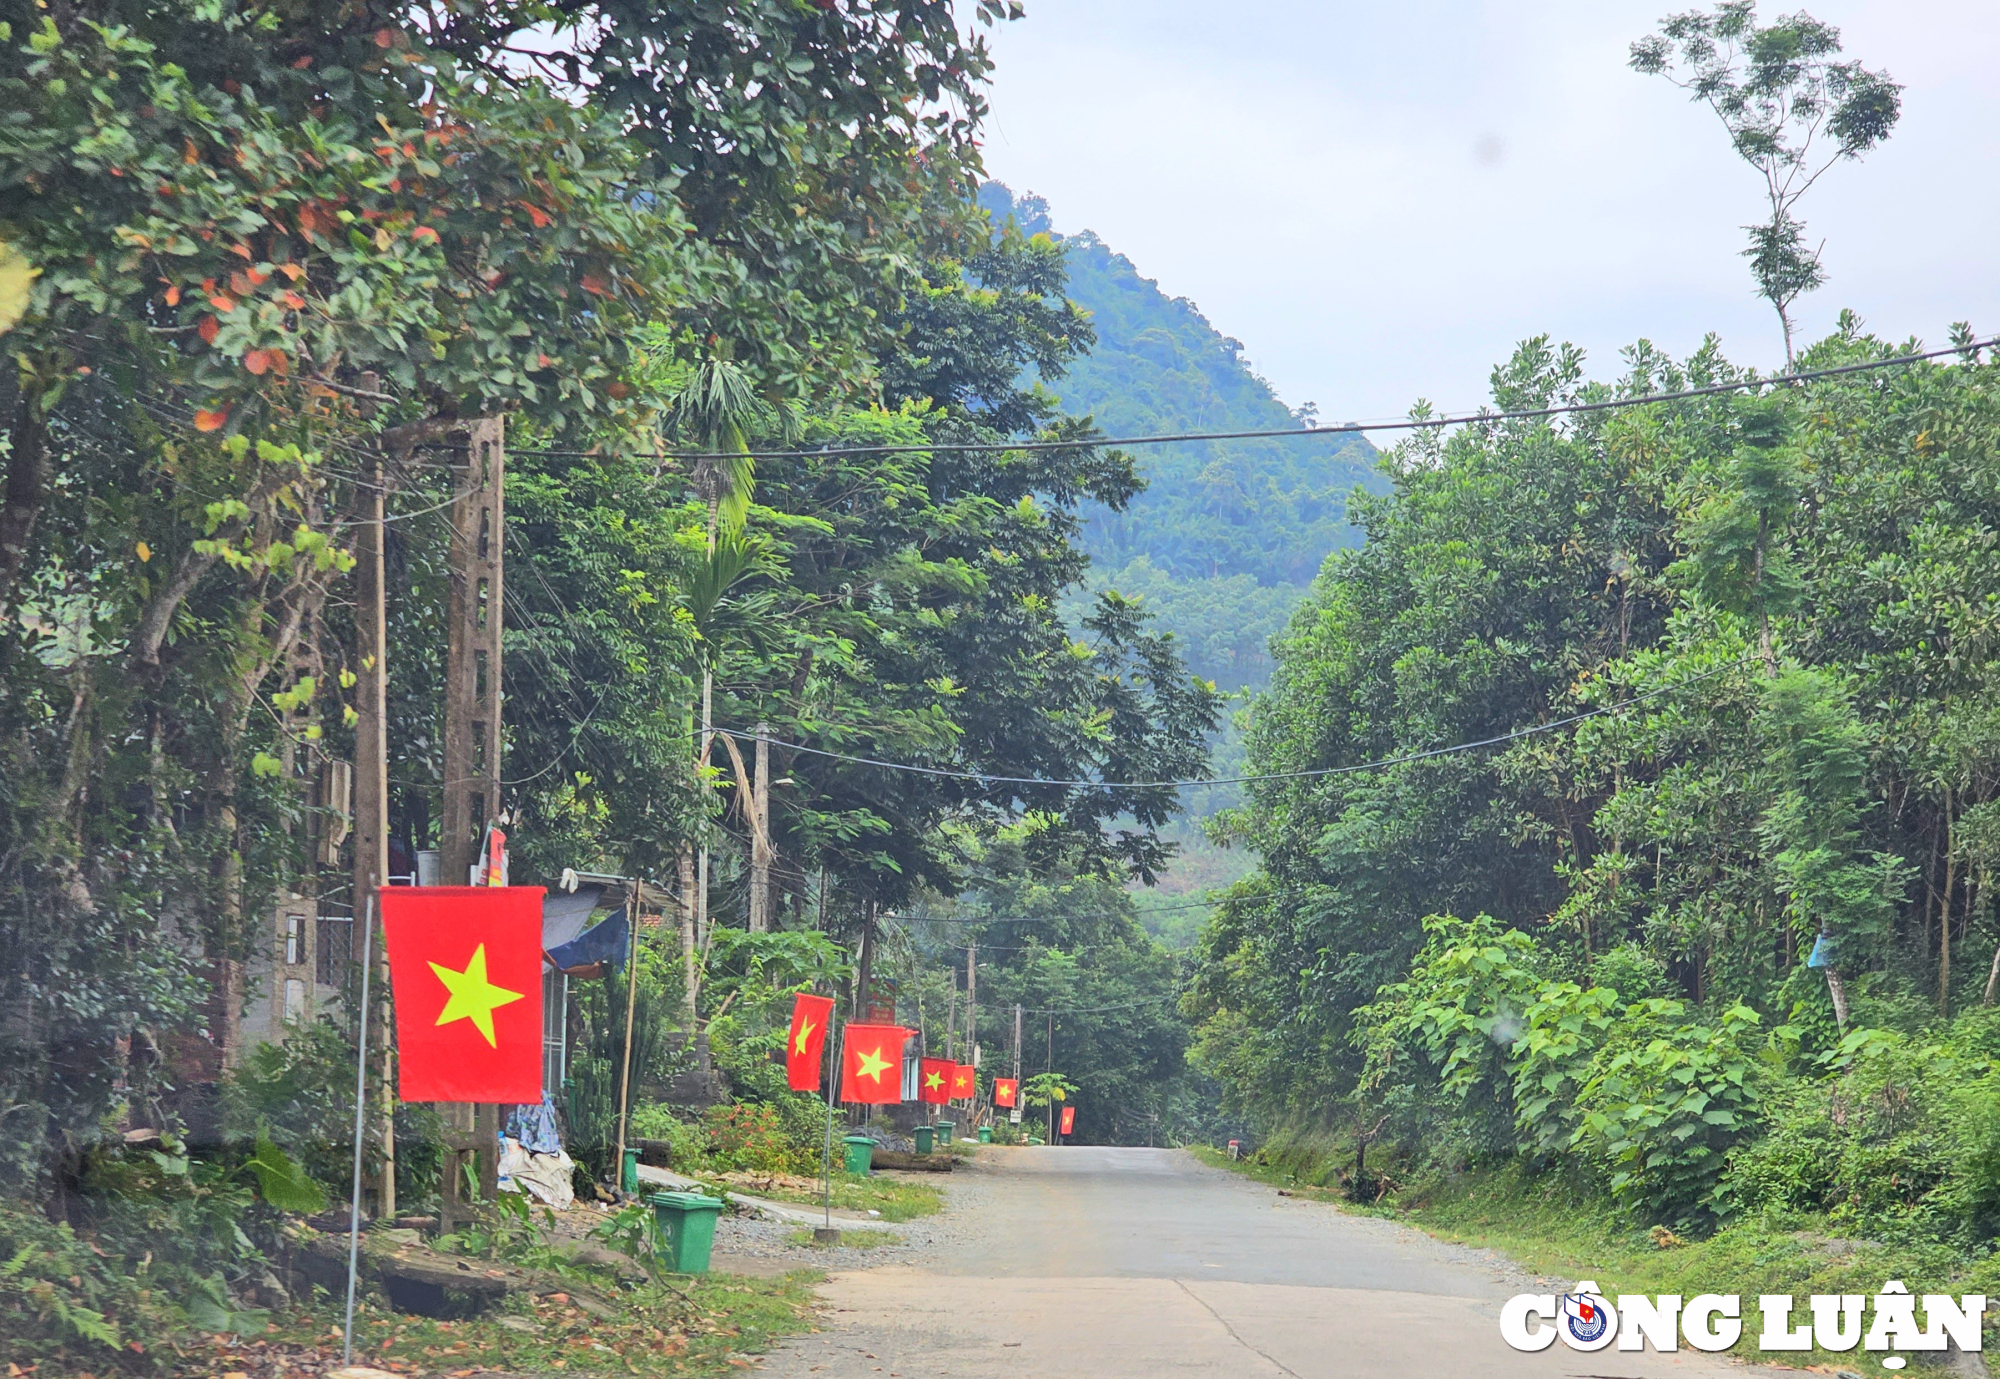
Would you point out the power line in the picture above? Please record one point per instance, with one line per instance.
(1301, 774)
(1352, 428)
(1140, 914)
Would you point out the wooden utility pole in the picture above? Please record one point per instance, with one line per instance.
(473, 625)
(371, 786)
(472, 652)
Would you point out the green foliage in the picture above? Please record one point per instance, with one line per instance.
(751, 1137)
(283, 1183)
(1767, 610)
(63, 1302)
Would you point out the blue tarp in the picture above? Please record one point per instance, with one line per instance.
(609, 942)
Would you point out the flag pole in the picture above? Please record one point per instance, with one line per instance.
(832, 1091)
(631, 1006)
(360, 1110)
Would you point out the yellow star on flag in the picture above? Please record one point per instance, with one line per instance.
(934, 1080)
(871, 1064)
(472, 996)
(805, 1030)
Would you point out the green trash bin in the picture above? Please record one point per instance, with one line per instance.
(687, 1229)
(926, 1137)
(945, 1130)
(628, 1179)
(860, 1154)
(986, 1134)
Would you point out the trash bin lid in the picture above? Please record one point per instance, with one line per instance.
(856, 1139)
(686, 1201)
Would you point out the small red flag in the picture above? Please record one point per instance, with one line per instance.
(803, 1050)
(1004, 1089)
(964, 1081)
(872, 1072)
(466, 966)
(1068, 1119)
(934, 1081)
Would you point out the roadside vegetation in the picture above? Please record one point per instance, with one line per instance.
(1691, 970)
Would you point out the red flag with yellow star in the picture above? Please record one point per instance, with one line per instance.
(1004, 1091)
(872, 1072)
(934, 1081)
(466, 966)
(964, 1081)
(1068, 1120)
(810, 1017)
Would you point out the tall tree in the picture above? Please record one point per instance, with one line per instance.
(1792, 110)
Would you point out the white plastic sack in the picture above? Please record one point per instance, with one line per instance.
(545, 1177)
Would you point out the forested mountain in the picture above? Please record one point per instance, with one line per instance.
(1226, 534)
(1268, 508)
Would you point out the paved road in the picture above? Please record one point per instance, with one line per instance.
(1127, 1263)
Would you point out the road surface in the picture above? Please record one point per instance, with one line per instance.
(1128, 1263)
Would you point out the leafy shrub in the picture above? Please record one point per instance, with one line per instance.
(751, 1137)
(1665, 1102)
(62, 1301)
(300, 1093)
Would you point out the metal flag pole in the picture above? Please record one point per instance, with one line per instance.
(360, 1110)
(832, 1092)
(631, 1006)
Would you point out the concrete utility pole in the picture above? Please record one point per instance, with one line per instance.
(1017, 1042)
(972, 1006)
(473, 626)
(760, 836)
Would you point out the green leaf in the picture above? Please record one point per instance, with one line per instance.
(284, 1184)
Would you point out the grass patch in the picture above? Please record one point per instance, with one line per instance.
(849, 1239)
(688, 1327)
(1552, 1227)
(898, 1199)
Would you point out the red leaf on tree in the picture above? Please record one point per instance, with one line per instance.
(595, 285)
(536, 214)
(173, 294)
(385, 38)
(223, 303)
(211, 421)
(207, 329)
(257, 361)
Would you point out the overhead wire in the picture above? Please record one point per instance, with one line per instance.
(1303, 773)
(1352, 428)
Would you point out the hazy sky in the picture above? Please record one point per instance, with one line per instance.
(1379, 200)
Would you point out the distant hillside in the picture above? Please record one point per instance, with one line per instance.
(1227, 535)
(1271, 509)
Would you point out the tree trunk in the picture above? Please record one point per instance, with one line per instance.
(1944, 911)
(1837, 990)
(27, 476)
